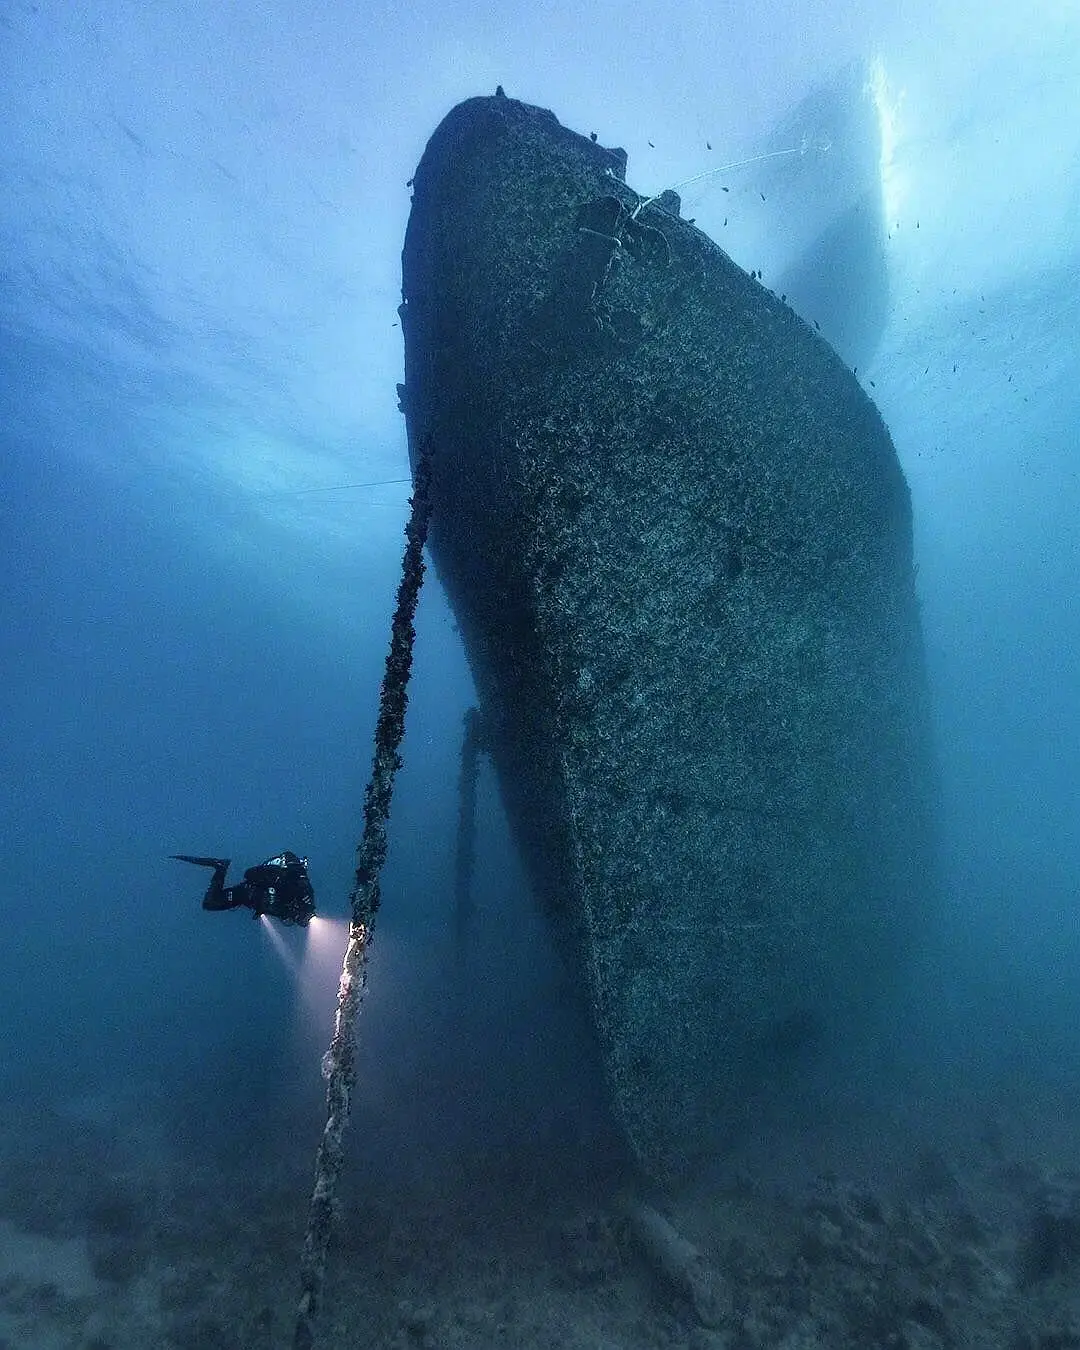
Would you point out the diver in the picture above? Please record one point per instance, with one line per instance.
(279, 887)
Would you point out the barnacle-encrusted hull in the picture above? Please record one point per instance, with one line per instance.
(677, 539)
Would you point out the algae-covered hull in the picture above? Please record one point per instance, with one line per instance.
(678, 542)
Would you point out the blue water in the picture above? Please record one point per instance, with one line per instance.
(200, 227)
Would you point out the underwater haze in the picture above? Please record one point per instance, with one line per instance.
(204, 483)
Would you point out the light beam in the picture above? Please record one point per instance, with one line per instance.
(288, 960)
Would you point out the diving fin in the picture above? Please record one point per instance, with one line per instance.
(200, 862)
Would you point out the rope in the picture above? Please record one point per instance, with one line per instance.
(339, 1062)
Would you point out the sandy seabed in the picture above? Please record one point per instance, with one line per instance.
(120, 1232)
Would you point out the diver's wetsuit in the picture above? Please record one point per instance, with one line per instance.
(279, 887)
